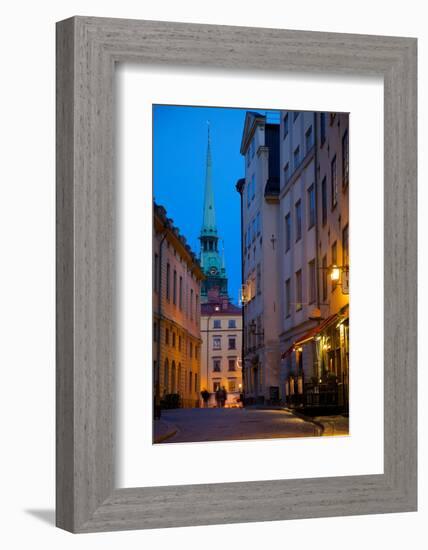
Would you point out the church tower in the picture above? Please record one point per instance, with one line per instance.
(212, 262)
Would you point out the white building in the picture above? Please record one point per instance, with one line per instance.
(260, 269)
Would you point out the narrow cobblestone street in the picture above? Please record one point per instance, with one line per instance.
(185, 425)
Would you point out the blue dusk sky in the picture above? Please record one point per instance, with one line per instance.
(179, 159)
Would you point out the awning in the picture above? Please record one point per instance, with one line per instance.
(312, 333)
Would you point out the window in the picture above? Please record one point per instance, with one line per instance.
(259, 279)
(295, 115)
(308, 139)
(253, 186)
(174, 288)
(232, 384)
(334, 262)
(345, 246)
(180, 294)
(299, 290)
(166, 376)
(286, 172)
(248, 157)
(286, 125)
(156, 273)
(168, 273)
(231, 343)
(287, 232)
(322, 127)
(155, 332)
(196, 352)
(296, 157)
(311, 206)
(216, 364)
(288, 298)
(197, 307)
(253, 231)
(179, 343)
(298, 220)
(217, 342)
(216, 385)
(312, 282)
(333, 182)
(324, 278)
(217, 323)
(167, 337)
(324, 200)
(258, 223)
(191, 303)
(191, 349)
(232, 323)
(231, 364)
(345, 159)
(190, 380)
(173, 339)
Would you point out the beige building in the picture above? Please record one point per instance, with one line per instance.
(177, 280)
(221, 331)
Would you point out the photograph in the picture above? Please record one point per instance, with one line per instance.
(251, 270)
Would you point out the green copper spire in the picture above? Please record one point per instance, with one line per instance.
(212, 262)
(208, 222)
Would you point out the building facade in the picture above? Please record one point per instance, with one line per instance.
(177, 278)
(259, 192)
(315, 259)
(295, 259)
(221, 331)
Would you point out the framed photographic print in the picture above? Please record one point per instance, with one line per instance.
(236, 274)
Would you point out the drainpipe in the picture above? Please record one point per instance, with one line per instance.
(156, 405)
(243, 333)
(317, 259)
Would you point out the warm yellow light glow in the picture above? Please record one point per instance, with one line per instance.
(335, 273)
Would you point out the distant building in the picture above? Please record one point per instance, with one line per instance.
(261, 295)
(177, 278)
(221, 321)
(221, 331)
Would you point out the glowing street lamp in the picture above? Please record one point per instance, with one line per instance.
(335, 273)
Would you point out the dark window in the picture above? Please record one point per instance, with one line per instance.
(311, 206)
(287, 232)
(299, 298)
(324, 278)
(216, 365)
(191, 303)
(167, 337)
(180, 294)
(298, 220)
(333, 182)
(259, 279)
(155, 331)
(286, 125)
(345, 159)
(296, 157)
(345, 246)
(295, 115)
(217, 323)
(312, 282)
(322, 127)
(286, 173)
(308, 139)
(288, 298)
(191, 349)
(173, 339)
(174, 287)
(232, 323)
(156, 273)
(324, 200)
(168, 282)
(232, 364)
(231, 343)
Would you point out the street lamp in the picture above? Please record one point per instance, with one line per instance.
(335, 273)
(253, 328)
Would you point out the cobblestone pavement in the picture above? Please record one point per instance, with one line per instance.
(232, 424)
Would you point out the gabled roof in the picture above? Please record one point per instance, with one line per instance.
(252, 118)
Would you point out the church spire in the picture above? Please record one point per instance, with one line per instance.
(209, 223)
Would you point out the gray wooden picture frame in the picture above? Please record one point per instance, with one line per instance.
(87, 50)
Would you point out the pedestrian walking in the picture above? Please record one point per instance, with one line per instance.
(205, 397)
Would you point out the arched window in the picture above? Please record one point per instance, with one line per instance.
(166, 376)
(173, 378)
